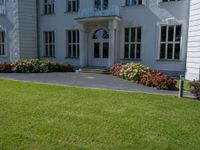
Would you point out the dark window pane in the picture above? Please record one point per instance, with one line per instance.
(126, 51)
(162, 51)
(171, 33)
(138, 51)
(105, 4)
(139, 34)
(46, 51)
(74, 36)
(69, 37)
(77, 36)
(74, 50)
(78, 51)
(133, 34)
(105, 50)
(132, 50)
(178, 33)
(163, 33)
(126, 35)
(69, 51)
(177, 51)
(96, 50)
(170, 51)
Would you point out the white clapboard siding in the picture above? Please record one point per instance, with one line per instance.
(193, 56)
(28, 28)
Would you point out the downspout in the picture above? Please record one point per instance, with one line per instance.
(38, 28)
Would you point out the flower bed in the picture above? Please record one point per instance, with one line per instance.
(144, 75)
(35, 66)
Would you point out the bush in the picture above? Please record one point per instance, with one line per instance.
(5, 68)
(144, 75)
(195, 88)
(39, 66)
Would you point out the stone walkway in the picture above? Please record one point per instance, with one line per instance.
(88, 80)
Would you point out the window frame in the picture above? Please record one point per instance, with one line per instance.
(174, 42)
(70, 43)
(168, 1)
(48, 44)
(3, 43)
(101, 5)
(77, 6)
(2, 2)
(130, 3)
(45, 7)
(135, 43)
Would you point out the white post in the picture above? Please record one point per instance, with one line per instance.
(112, 41)
(82, 48)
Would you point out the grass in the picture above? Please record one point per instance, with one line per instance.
(39, 116)
(186, 85)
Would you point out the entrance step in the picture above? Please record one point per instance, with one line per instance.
(96, 70)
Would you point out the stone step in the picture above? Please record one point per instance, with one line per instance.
(95, 70)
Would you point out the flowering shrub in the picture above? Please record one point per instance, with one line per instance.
(195, 86)
(39, 66)
(35, 66)
(5, 68)
(143, 75)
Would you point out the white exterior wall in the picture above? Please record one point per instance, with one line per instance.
(19, 23)
(9, 22)
(149, 17)
(193, 56)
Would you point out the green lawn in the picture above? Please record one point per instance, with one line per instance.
(39, 116)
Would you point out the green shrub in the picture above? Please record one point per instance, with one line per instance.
(195, 88)
(39, 66)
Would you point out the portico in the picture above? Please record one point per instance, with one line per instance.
(98, 38)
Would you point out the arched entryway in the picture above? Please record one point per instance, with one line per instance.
(99, 53)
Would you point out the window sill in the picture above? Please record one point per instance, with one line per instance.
(3, 56)
(131, 59)
(126, 6)
(48, 57)
(75, 58)
(48, 14)
(169, 60)
(170, 3)
(69, 12)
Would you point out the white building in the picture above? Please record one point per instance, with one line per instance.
(97, 33)
(193, 54)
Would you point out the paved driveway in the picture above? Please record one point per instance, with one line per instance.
(100, 81)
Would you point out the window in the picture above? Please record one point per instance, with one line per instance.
(2, 43)
(72, 5)
(132, 47)
(49, 7)
(101, 5)
(2, 2)
(49, 43)
(170, 0)
(170, 42)
(73, 43)
(134, 2)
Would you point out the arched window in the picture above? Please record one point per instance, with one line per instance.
(101, 34)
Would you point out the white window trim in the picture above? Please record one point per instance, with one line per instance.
(143, 3)
(5, 43)
(43, 8)
(77, 44)
(130, 43)
(77, 6)
(182, 43)
(48, 44)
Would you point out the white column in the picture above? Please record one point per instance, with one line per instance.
(83, 52)
(112, 41)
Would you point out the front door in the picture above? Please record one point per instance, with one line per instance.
(100, 49)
